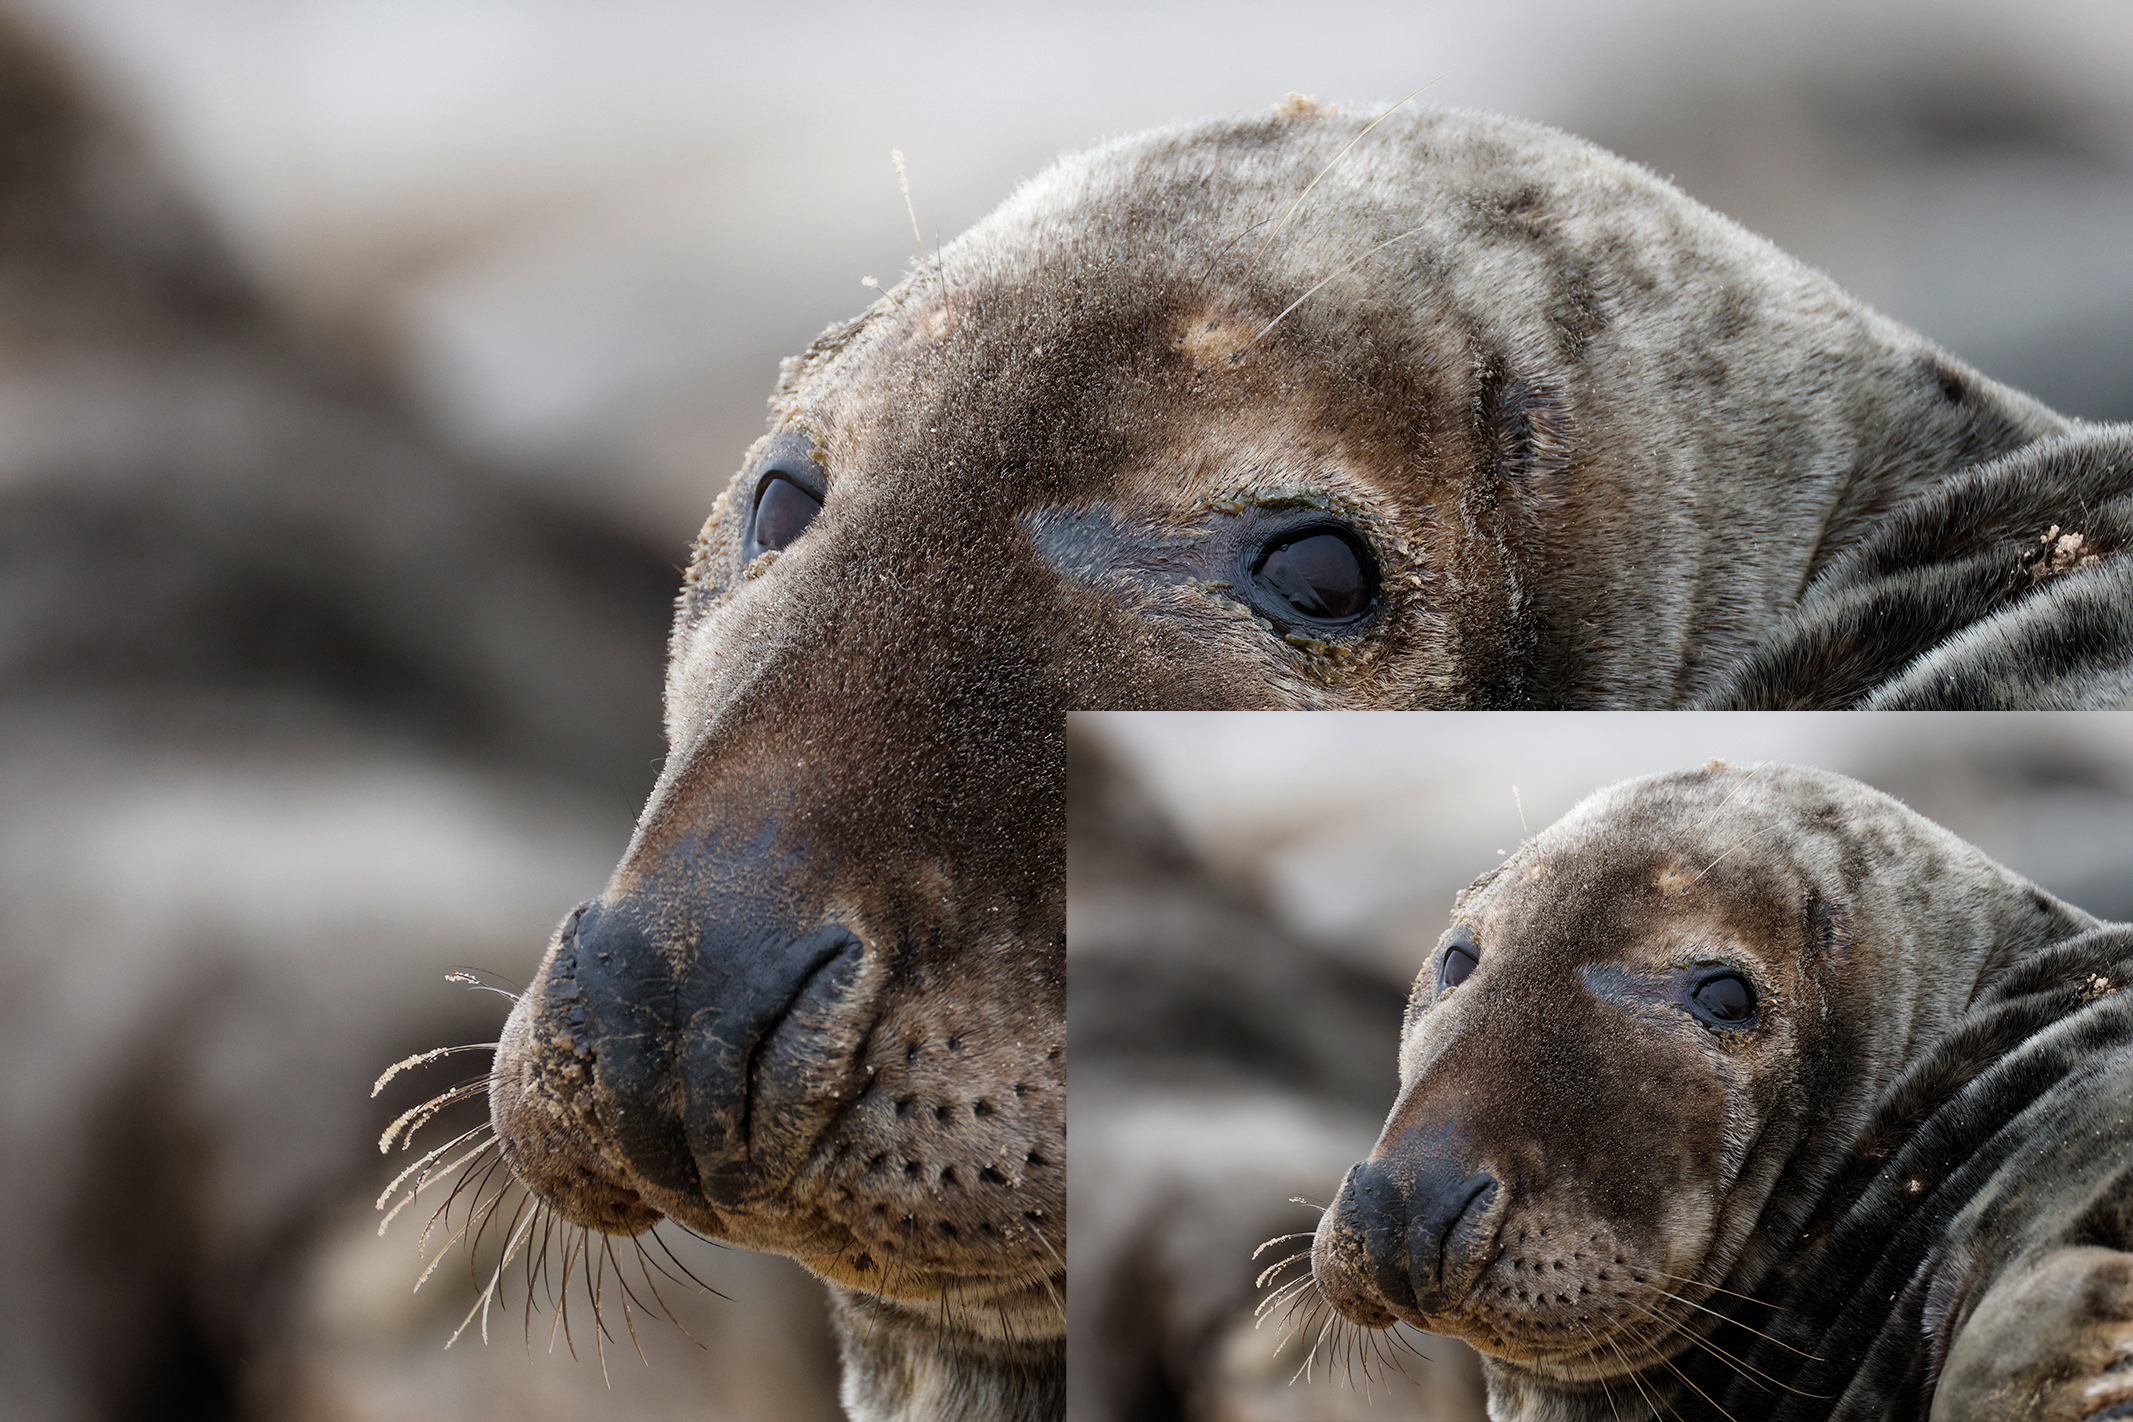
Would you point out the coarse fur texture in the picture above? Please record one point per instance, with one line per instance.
(1585, 444)
(1899, 1184)
(2000, 587)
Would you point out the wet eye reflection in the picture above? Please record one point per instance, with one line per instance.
(1723, 998)
(783, 511)
(1321, 575)
(1461, 956)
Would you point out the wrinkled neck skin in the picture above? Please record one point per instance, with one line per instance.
(900, 1365)
(1917, 924)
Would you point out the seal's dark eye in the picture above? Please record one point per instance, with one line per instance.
(1723, 997)
(1461, 956)
(1324, 574)
(782, 512)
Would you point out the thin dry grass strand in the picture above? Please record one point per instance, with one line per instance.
(1743, 844)
(903, 182)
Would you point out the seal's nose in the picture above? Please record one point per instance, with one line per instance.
(1422, 1215)
(701, 1011)
(713, 1041)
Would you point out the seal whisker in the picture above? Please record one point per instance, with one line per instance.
(485, 1213)
(629, 1296)
(1739, 1365)
(429, 1170)
(1605, 1390)
(1675, 1368)
(535, 1255)
(1283, 1238)
(601, 1337)
(572, 1243)
(1340, 271)
(1331, 1322)
(477, 978)
(1266, 1274)
(657, 1237)
(1658, 1408)
(1290, 211)
(487, 1296)
(1279, 1296)
(414, 1118)
(423, 1059)
(1745, 780)
(1729, 1293)
(478, 1215)
(1730, 1319)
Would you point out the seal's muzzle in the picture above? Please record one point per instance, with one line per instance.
(1423, 1215)
(682, 1026)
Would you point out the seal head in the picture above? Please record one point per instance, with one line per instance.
(1655, 1063)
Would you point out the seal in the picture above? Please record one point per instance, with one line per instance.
(1296, 410)
(1754, 1094)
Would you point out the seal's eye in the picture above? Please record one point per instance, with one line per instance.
(1321, 573)
(1461, 956)
(1723, 998)
(1457, 964)
(783, 511)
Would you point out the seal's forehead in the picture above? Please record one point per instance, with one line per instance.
(1718, 846)
(1718, 804)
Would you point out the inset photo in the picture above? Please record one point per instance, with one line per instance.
(1599, 1065)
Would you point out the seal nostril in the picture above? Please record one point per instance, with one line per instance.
(1445, 1239)
(1424, 1231)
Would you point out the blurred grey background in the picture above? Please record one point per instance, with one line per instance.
(582, 235)
(365, 367)
(1249, 897)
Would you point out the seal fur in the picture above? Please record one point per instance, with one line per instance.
(1902, 1186)
(1583, 441)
